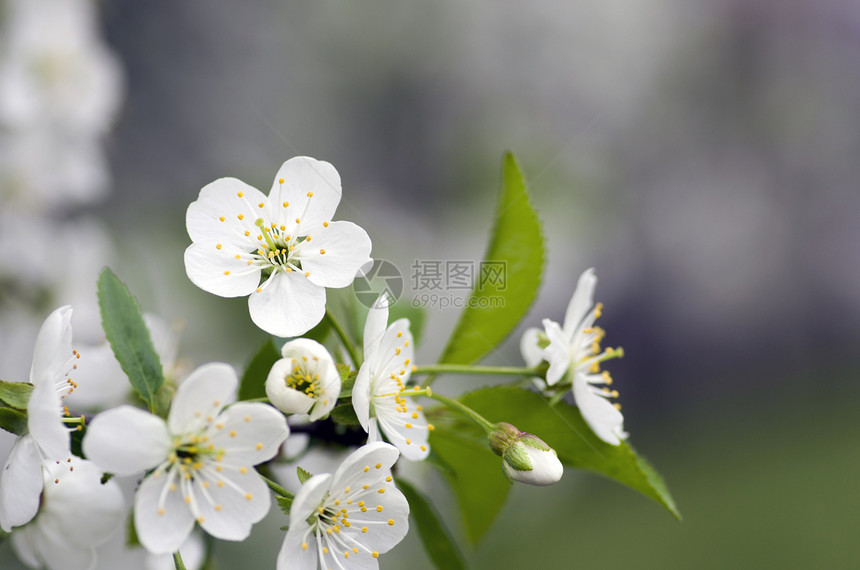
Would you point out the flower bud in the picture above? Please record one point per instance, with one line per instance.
(305, 381)
(527, 458)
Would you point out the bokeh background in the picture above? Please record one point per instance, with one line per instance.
(702, 156)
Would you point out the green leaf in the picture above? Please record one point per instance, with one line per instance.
(516, 247)
(129, 338)
(347, 379)
(562, 428)
(344, 414)
(13, 421)
(438, 542)
(475, 474)
(16, 394)
(302, 475)
(285, 503)
(253, 384)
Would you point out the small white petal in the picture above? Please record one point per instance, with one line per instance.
(298, 551)
(557, 353)
(101, 381)
(288, 305)
(201, 396)
(44, 422)
(310, 496)
(532, 353)
(361, 395)
(250, 432)
(161, 527)
(219, 272)
(20, 484)
(287, 399)
(347, 248)
(228, 512)
(303, 175)
(374, 327)
(221, 199)
(53, 346)
(126, 440)
(601, 416)
(581, 301)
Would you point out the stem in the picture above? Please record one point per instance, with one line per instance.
(277, 488)
(344, 339)
(177, 561)
(485, 424)
(482, 370)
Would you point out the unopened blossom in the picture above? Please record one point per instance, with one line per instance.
(348, 519)
(574, 355)
(202, 459)
(282, 249)
(376, 395)
(526, 457)
(77, 514)
(305, 380)
(47, 438)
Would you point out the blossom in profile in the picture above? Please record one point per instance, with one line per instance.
(376, 395)
(202, 459)
(305, 380)
(348, 519)
(574, 355)
(77, 514)
(47, 438)
(282, 250)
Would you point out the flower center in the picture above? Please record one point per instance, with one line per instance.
(303, 379)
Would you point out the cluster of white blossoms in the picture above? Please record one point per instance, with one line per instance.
(197, 462)
(574, 356)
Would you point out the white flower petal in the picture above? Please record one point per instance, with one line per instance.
(102, 383)
(310, 496)
(298, 551)
(601, 416)
(287, 399)
(74, 487)
(581, 301)
(374, 327)
(219, 272)
(202, 396)
(250, 433)
(221, 199)
(361, 395)
(45, 424)
(532, 353)
(126, 440)
(351, 471)
(288, 305)
(227, 511)
(20, 484)
(193, 552)
(303, 175)
(24, 545)
(411, 441)
(557, 353)
(395, 349)
(162, 518)
(347, 248)
(53, 347)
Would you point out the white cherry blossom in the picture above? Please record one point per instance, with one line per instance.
(47, 438)
(201, 458)
(282, 249)
(348, 519)
(305, 380)
(77, 514)
(574, 356)
(388, 354)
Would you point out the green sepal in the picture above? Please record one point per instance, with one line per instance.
(13, 421)
(303, 475)
(15, 394)
(284, 503)
(347, 379)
